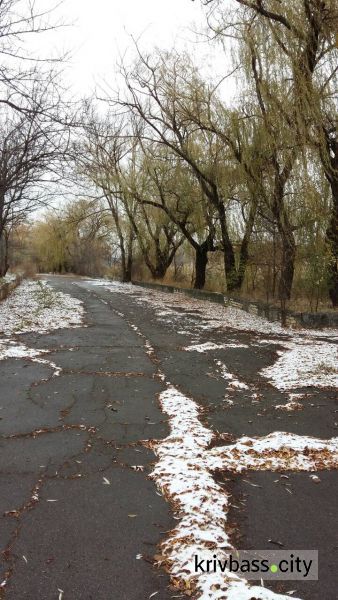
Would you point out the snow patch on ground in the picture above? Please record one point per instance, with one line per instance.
(289, 406)
(35, 306)
(293, 403)
(8, 278)
(274, 452)
(309, 358)
(9, 349)
(304, 364)
(233, 381)
(211, 346)
(184, 474)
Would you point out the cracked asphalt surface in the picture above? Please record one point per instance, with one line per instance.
(64, 528)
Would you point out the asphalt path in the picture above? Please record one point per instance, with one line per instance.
(77, 507)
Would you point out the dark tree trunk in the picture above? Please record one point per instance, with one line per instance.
(286, 234)
(287, 265)
(201, 261)
(160, 269)
(4, 266)
(332, 241)
(128, 272)
(123, 264)
(228, 251)
(244, 250)
(129, 262)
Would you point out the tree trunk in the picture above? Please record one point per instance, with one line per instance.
(4, 266)
(201, 261)
(228, 251)
(128, 272)
(287, 264)
(160, 269)
(332, 241)
(129, 261)
(123, 262)
(244, 250)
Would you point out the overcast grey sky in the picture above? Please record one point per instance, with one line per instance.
(101, 32)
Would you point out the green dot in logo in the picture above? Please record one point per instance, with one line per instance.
(273, 568)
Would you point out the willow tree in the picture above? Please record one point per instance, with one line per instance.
(75, 239)
(172, 188)
(302, 36)
(166, 93)
(157, 235)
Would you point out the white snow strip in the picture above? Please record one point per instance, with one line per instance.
(202, 348)
(10, 349)
(211, 346)
(276, 451)
(184, 475)
(233, 381)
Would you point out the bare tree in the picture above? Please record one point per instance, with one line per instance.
(20, 70)
(31, 149)
(97, 155)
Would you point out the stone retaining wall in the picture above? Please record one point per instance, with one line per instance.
(200, 294)
(271, 313)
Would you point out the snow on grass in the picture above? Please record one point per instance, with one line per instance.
(8, 278)
(35, 306)
(184, 474)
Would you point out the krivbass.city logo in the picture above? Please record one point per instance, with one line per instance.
(262, 564)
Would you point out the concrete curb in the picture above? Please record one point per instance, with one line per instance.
(274, 314)
(261, 309)
(199, 294)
